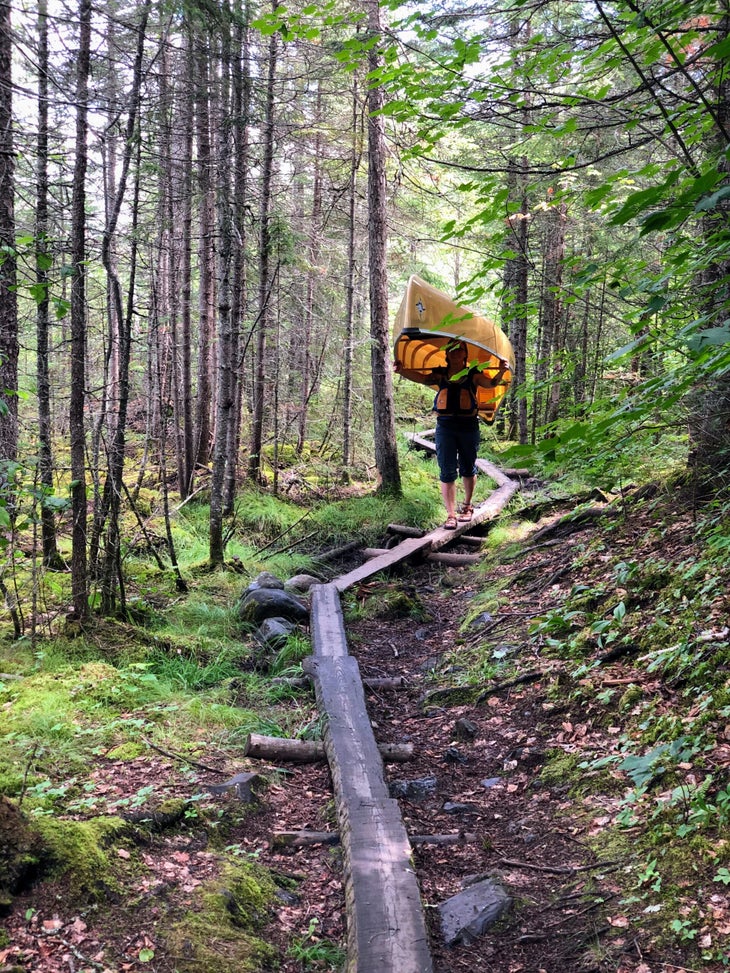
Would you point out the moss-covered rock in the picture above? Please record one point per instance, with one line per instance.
(20, 848)
(217, 935)
(78, 851)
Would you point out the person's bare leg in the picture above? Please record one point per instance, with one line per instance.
(470, 483)
(448, 494)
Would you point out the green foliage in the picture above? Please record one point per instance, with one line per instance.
(315, 953)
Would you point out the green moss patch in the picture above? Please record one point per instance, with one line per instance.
(217, 935)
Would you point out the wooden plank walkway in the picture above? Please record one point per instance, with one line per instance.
(386, 929)
(438, 538)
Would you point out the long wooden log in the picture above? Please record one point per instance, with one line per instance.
(260, 747)
(386, 928)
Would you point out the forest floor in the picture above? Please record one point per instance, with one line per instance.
(509, 780)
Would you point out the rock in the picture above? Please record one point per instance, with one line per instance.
(469, 913)
(242, 785)
(259, 603)
(452, 755)
(491, 782)
(414, 790)
(465, 730)
(266, 580)
(457, 807)
(301, 582)
(273, 632)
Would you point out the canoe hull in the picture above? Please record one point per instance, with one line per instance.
(427, 319)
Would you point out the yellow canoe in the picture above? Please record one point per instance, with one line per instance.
(427, 319)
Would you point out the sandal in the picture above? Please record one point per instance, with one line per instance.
(467, 511)
(451, 523)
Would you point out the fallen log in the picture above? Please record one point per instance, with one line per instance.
(442, 840)
(303, 839)
(308, 839)
(275, 749)
(374, 683)
(405, 531)
(454, 560)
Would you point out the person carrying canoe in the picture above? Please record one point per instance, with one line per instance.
(457, 425)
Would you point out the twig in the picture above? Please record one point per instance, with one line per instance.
(181, 757)
(25, 775)
(284, 533)
(498, 687)
(555, 869)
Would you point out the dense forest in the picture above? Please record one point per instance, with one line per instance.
(203, 206)
(209, 211)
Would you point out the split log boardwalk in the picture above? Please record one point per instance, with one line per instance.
(386, 928)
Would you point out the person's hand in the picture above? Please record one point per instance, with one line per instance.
(503, 365)
(397, 366)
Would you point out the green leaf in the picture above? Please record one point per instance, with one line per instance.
(710, 202)
(627, 349)
(710, 337)
(644, 199)
(146, 955)
(661, 220)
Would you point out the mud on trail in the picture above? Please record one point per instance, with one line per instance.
(499, 766)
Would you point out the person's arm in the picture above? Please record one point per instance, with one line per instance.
(424, 377)
(487, 381)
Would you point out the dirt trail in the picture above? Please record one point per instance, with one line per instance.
(490, 770)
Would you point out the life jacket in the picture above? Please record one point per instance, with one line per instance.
(456, 398)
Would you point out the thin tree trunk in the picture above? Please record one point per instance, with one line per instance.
(350, 288)
(77, 431)
(225, 355)
(51, 557)
(116, 458)
(386, 450)
(307, 386)
(241, 111)
(206, 258)
(264, 312)
(8, 301)
(186, 218)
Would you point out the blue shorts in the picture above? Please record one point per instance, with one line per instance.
(457, 444)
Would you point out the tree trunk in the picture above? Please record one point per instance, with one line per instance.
(710, 419)
(225, 357)
(8, 301)
(516, 291)
(116, 456)
(51, 557)
(386, 450)
(206, 258)
(77, 431)
(307, 385)
(241, 111)
(265, 281)
(355, 154)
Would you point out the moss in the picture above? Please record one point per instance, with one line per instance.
(631, 696)
(77, 851)
(564, 770)
(126, 752)
(217, 935)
